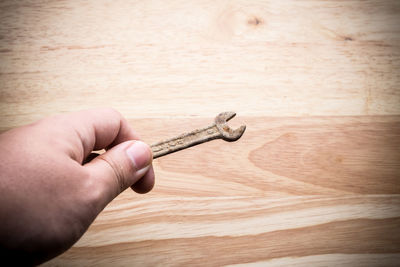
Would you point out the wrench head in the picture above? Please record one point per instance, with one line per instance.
(228, 134)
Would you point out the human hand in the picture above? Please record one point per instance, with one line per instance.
(48, 196)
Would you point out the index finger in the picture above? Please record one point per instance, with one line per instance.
(98, 128)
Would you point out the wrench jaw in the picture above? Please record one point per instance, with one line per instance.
(224, 117)
(232, 135)
(228, 134)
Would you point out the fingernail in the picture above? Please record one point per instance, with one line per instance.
(140, 154)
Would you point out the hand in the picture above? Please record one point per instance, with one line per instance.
(48, 197)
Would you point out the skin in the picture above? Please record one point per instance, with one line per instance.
(49, 195)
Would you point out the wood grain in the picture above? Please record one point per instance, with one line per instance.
(315, 180)
(303, 58)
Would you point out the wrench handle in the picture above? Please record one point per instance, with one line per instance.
(185, 140)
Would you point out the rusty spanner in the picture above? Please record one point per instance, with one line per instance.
(218, 130)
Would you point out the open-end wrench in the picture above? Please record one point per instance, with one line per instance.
(218, 130)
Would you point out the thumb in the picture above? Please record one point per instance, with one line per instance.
(120, 167)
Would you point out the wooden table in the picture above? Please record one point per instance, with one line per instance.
(315, 180)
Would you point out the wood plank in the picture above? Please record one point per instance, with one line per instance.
(179, 236)
(354, 260)
(158, 58)
(284, 156)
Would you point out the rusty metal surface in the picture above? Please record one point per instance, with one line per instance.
(218, 130)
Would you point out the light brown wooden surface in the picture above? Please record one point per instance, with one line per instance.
(315, 180)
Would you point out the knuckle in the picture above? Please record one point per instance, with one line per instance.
(91, 190)
(113, 111)
(54, 122)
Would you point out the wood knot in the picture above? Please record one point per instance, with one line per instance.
(255, 21)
